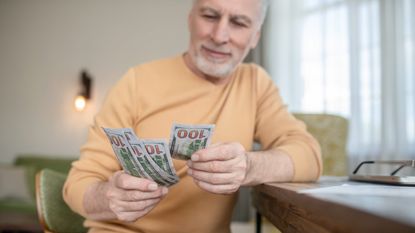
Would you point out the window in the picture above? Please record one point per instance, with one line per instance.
(409, 67)
(325, 57)
(353, 58)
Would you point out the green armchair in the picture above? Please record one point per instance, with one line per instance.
(331, 132)
(18, 210)
(54, 214)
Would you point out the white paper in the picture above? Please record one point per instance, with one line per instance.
(371, 189)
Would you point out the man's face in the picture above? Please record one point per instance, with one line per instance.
(221, 34)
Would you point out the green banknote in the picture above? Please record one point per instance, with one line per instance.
(150, 166)
(158, 151)
(187, 139)
(122, 151)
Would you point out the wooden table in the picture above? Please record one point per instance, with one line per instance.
(292, 211)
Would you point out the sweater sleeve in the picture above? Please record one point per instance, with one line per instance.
(275, 127)
(97, 161)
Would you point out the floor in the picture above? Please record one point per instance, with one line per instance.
(249, 227)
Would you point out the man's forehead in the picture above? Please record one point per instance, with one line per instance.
(247, 8)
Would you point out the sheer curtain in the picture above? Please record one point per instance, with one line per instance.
(354, 58)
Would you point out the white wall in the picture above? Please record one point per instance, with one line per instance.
(45, 43)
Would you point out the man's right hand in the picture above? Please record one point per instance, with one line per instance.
(127, 198)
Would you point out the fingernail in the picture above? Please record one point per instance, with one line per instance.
(189, 163)
(195, 157)
(189, 172)
(152, 186)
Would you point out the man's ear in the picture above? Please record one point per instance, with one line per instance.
(255, 39)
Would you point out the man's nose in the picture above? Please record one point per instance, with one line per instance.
(220, 33)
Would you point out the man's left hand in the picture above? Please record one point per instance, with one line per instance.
(220, 168)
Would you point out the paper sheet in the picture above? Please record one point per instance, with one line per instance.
(357, 189)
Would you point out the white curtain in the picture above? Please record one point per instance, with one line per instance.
(353, 58)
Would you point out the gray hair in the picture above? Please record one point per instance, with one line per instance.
(264, 9)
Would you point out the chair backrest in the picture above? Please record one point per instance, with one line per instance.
(331, 132)
(33, 163)
(54, 215)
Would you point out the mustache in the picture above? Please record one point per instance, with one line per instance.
(216, 48)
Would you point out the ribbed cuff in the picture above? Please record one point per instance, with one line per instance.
(307, 165)
(73, 193)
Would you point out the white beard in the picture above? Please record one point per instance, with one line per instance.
(211, 68)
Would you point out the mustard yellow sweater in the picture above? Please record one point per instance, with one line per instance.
(149, 99)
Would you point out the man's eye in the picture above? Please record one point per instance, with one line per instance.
(210, 16)
(239, 24)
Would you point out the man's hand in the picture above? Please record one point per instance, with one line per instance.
(220, 168)
(131, 197)
(127, 198)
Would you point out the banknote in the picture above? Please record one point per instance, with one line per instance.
(152, 169)
(187, 139)
(152, 158)
(122, 151)
(137, 152)
(159, 151)
(126, 155)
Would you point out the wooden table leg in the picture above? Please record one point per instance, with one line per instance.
(258, 222)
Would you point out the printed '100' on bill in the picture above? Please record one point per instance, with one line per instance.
(151, 169)
(159, 152)
(122, 151)
(187, 139)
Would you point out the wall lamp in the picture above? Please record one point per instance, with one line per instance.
(85, 93)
